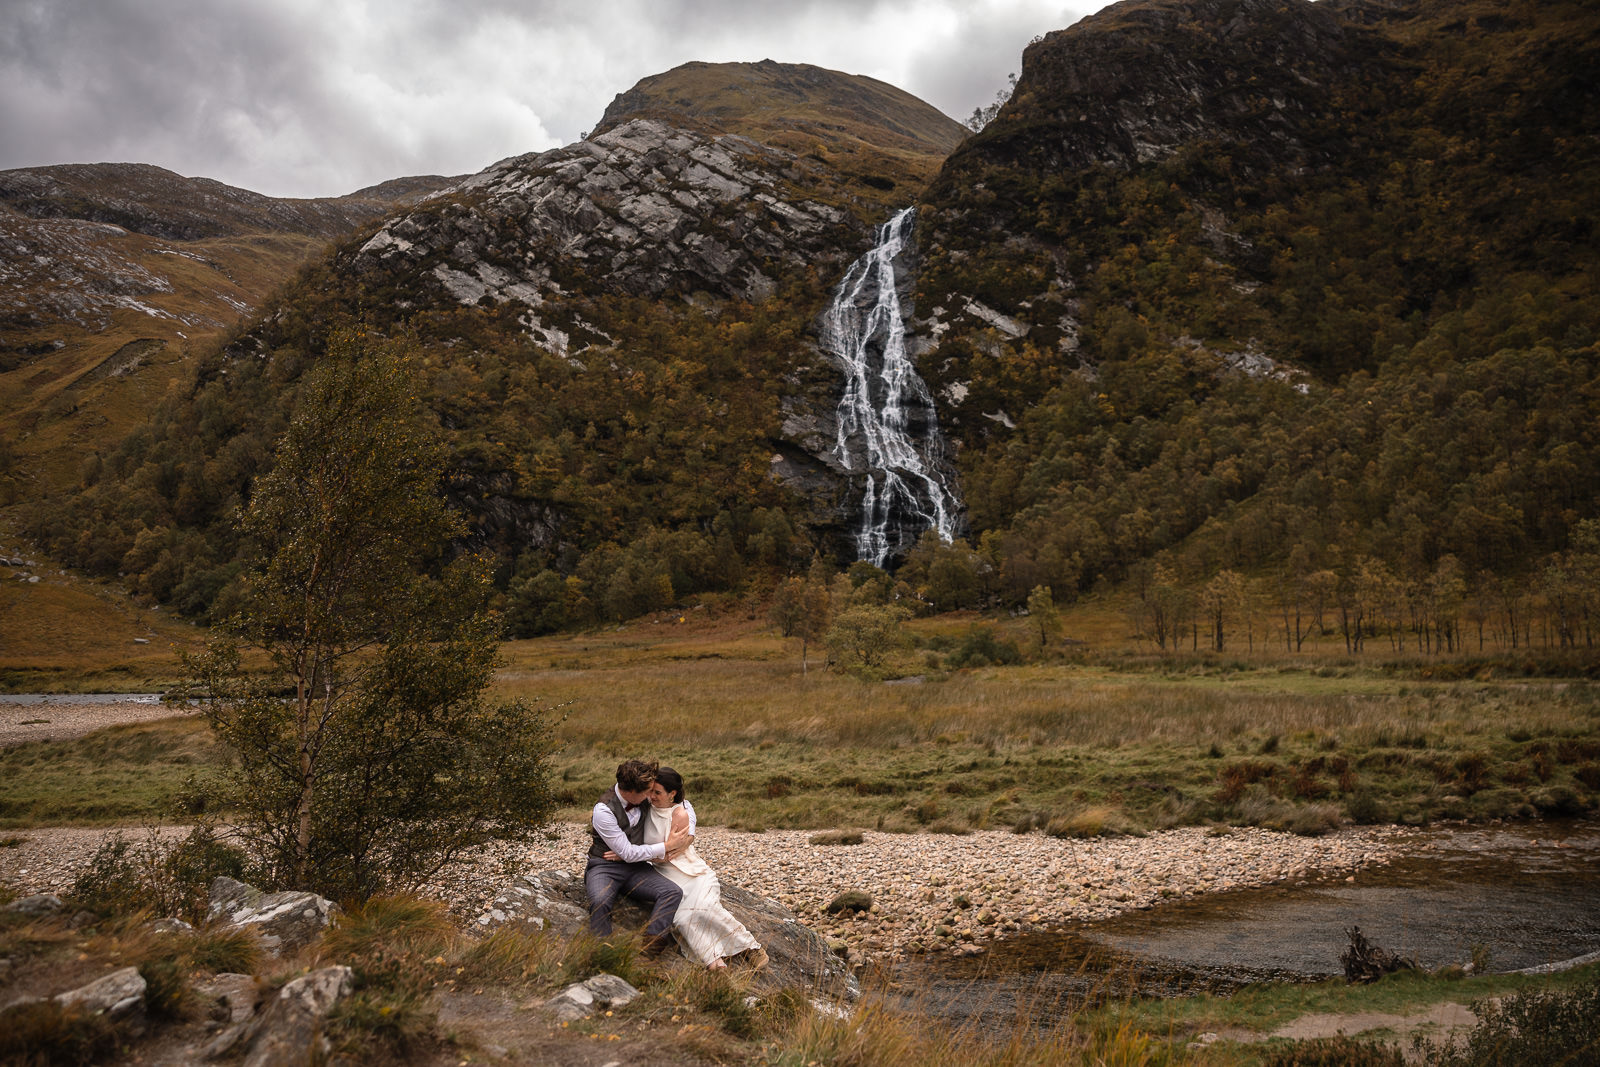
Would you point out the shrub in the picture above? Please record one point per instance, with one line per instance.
(125, 876)
(1560, 1027)
(838, 837)
(981, 648)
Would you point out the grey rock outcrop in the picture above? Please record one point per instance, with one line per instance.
(286, 921)
(555, 901)
(36, 905)
(287, 1032)
(543, 901)
(646, 208)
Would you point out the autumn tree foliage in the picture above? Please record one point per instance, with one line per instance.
(367, 754)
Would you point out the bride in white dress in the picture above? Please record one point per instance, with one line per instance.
(704, 928)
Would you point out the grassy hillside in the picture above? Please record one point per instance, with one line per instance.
(1342, 325)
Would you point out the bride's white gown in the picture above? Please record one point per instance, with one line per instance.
(703, 926)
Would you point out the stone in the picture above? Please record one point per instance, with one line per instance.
(851, 900)
(118, 995)
(287, 1032)
(579, 1000)
(286, 921)
(36, 905)
(236, 995)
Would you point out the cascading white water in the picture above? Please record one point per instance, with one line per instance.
(906, 491)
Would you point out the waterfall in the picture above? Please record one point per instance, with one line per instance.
(887, 428)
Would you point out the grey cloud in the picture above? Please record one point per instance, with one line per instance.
(319, 97)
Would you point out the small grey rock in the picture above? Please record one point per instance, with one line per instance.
(117, 995)
(38, 904)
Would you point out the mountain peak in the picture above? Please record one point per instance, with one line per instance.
(857, 123)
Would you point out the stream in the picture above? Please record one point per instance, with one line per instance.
(1528, 894)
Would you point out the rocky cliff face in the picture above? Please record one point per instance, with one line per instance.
(644, 209)
(1242, 98)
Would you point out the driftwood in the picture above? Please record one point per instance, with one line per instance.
(1365, 962)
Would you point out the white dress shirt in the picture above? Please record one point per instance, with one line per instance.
(604, 821)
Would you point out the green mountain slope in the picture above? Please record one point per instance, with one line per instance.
(1279, 287)
(1299, 292)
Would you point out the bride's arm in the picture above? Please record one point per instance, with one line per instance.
(682, 834)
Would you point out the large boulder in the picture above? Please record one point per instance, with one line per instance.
(286, 921)
(287, 1031)
(555, 901)
(39, 904)
(544, 901)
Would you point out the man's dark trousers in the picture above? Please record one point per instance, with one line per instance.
(606, 880)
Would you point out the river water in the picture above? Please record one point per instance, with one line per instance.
(1528, 894)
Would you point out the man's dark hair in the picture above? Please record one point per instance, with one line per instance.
(635, 775)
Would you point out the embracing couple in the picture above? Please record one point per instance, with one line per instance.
(642, 845)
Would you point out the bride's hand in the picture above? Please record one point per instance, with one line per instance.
(612, 855)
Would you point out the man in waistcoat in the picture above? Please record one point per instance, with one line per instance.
(617, 826)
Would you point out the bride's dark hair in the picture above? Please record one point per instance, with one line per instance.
(672, 782)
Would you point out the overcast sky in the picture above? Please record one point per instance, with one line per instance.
(323, 97)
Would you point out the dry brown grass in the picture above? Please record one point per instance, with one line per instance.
(65, 634)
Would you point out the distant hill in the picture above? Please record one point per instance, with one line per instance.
(115, 272)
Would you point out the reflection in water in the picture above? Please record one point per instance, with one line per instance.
(1529, 894)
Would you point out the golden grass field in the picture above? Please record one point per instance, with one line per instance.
(1096, 735)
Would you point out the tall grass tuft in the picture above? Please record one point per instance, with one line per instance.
(513, 953)
(876, 1035)
(394, 945)
(391, 925)
(44, 1034)
(587, 955)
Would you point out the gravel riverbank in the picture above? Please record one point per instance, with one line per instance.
(930, 892)
(59, 718)
(943, 892)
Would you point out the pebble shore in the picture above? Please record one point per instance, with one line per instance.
(938, 892)
(930, 892)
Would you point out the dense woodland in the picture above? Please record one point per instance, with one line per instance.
(1422, 476)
